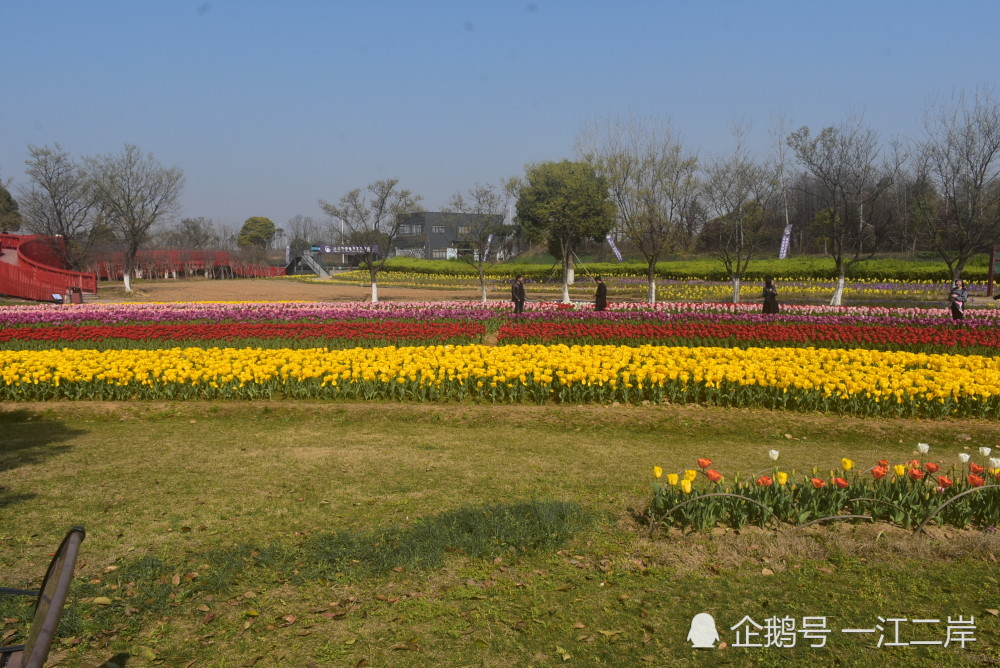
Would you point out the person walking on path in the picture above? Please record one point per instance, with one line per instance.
(601, 296)
(770, 297)
(517, 294)
(957, 297)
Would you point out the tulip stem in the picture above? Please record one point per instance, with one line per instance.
(655, 523)
(888, 503)
(946, 503)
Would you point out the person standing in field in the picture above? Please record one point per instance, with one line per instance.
(517, 294)
(601, 296)
(770, 297)
(957, 298)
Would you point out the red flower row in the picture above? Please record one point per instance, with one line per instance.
(743, 332)
(387, 331)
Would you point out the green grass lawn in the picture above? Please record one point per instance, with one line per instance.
(236, 534)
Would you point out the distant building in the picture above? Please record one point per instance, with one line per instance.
(435, 235)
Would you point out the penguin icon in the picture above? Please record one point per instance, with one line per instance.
(703, 634)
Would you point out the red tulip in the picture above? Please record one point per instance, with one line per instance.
(704, 463)
(884, 463)
(840, 483)
(765, 481)
(976, 468)
(974, 480)
(818, 483)
(945, 481)
(713, 475)
(916, 474)
(880, 471)
(931, 467)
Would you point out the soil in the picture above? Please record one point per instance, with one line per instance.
(251, 289)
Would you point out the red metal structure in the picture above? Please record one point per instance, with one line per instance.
(178, 263)
(31, 268)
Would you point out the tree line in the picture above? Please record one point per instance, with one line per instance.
(843, 191)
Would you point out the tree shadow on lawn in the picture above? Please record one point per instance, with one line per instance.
(28, 438)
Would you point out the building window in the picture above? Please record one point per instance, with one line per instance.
(439, 229)
(465, 229)
(439, 254)
(411, 229)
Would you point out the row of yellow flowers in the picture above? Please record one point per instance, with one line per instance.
(863, 382)
(635, 285)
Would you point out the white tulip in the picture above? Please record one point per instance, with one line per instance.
(984, 451)
(964, 457)
(773, 454)
(922, 448)
(995, 462)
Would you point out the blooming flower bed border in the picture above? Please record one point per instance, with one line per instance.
(910, 495)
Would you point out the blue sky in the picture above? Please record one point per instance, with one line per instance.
(269, 106)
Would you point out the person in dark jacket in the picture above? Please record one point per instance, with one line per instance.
(601, 296)
(770, 297)
(517, 294)
(957, 297)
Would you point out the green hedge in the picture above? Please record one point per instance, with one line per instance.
(711, 269)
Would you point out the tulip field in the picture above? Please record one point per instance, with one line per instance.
(450, 483)
(860, 361)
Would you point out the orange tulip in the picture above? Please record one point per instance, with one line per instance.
(975, 481)
(945, 481)
(713, 475)
(916, 474)
(880, 471)
(765, 481)
(840, 483)
(931, 467)
(976, 468)
(704, 463)
(818, 483)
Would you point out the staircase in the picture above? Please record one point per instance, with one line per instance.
(315, 265)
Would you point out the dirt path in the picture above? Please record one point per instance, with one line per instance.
(251, 289)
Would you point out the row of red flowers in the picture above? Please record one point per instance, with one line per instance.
(782, 333)
(388, 331)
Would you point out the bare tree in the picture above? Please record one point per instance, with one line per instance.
(740, 192)
(849, 177)
(192, 234)
(134, 193)
(960, 162)
(10, 215)
(653, 182)
(59, 202)
(373, 217)
(303, 232)
(483, 210)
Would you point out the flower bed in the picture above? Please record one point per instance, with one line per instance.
(216, 312)
(110, 314)
(859, 382)
(337, 334)
(924, 339)
(910, 494)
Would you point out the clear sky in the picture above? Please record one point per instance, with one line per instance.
(270, 105)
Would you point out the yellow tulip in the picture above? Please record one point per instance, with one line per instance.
(781, 477)
(657, 472)
(899, 470)
(690, 475)
(686, 486)
(846, 464)
(672, 479)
